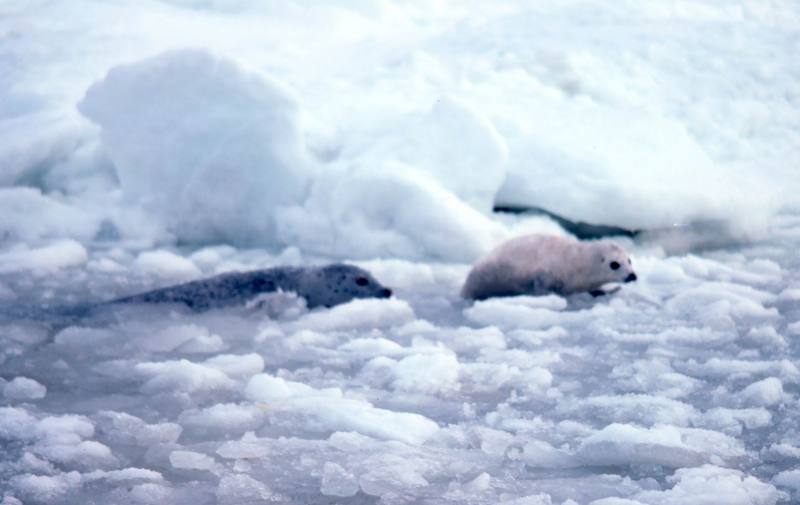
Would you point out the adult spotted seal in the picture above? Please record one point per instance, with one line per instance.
(323, 286)
(542, 264)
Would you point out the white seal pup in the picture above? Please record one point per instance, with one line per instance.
(320, 287)
(542, 264)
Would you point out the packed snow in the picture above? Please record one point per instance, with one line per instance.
(149, 143)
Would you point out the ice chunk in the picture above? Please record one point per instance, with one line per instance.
(28, 216)
(57, 256)
(712, 484)
(655, 375)
(786, 370)
(46, 488)
(65, 429)
(764, 393)
(427, 373)
(615, 501)
(23, 388)
(237, 365)
(126, 474)
(465, 339)
(191, 460)
(331, 409)
(791, 294)
(168, 265)
(336, 481)
(10, 500)
(515, 312)
(241, 489)
(127, 429)
(16, 424)
(150, 492)
(540, 454)
(169, 338)
(62, 439)
(731, 421)
(249, 447)
(360, 313)
(782, 451)
(372, 347)
(665, 445)
(24, 332)
(32, 463)
(205, 343)
(534, 499)
(488, 377)
(30, 141)
(182, 376)
(391, 473)
(205, 128)
(87, 454)
(638, 408)
(731, 299)
(479, 483)
(765, 336)
(788, 478)
(224, 417)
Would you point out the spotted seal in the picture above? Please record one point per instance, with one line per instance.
(324, 286)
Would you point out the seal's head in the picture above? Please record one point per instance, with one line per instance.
(335, 284)
(612, 263)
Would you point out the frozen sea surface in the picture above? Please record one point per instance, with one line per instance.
(680, 388)
(145, 143)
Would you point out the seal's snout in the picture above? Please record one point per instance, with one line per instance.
(386, 293)
(631, 277)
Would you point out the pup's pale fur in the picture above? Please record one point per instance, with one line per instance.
(541, 264)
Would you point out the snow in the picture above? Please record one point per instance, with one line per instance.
(390, 210)
(148, 143)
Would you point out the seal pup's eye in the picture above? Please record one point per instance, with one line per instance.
(614, 265)
(362, 281)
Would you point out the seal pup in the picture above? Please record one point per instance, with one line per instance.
(542, 264)
(323, 286)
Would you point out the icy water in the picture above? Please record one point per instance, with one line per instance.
(680, 388)
(134, 133)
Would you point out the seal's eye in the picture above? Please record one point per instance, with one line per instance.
(362, 281)
(614, 265)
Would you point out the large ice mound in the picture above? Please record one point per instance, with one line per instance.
(216, 151)
(211, 147)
